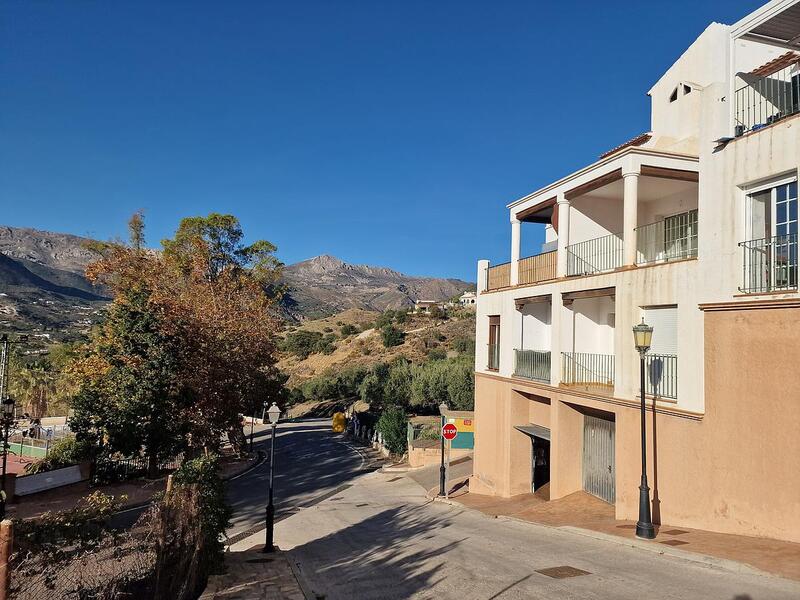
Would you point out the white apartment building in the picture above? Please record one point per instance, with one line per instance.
(691, 226)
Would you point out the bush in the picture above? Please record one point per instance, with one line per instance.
(393, 425)
(304, 343)
(348, 330)
(436, 354)
(464, 345)
(63, 453)
(400, 317)
(392, 336)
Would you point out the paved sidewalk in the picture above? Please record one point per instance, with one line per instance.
(253, 575)
(585, 512)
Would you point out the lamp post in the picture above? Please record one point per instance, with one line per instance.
(7, 421)
(442, 470)
(643, 335)
(274, 414)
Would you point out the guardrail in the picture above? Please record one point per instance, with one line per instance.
(672, 238)
(661, 375)
(595, 255)
(766, 100)
(532, 364)
(589, 370)
(120, 469)
(538, 268)
(769, 264)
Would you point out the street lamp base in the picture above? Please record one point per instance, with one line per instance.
(268, 549)
(645, 531)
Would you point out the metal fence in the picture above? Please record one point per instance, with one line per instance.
(765, 100)
(590, 370)
(532, 364)
(595, 256)
(661, 375)
(498, 276)
(538, 268)
(769, 264)
(110, 469)
(672, 238)
(493, 360)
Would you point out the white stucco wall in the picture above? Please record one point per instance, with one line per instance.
(535, 326)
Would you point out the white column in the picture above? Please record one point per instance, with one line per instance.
(483, 275)
(562, 206)
(631, 204)
(515, 249)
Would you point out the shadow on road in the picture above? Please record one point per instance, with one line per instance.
(379, 557)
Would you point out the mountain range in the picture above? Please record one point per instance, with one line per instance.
(43, 289)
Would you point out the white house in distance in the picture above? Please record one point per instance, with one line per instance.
(468, 299)
(691, 226)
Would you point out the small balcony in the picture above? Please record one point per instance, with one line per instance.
(769, 265)
(536, 269)
(673, 238)
(498, 276)
(661, 375)
(597, 255)
(532, 364)
(767, 97)
(493, 358)
(591, 372)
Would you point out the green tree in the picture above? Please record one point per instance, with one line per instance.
(393, 424)
(397, 390)
(392, 336)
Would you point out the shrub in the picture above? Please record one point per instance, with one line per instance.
(437, 354)
(393, 424)
(348, 330)
(400, 317)
(464, 345)
(63, 453)
(392, 336)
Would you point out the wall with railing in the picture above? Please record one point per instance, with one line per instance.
(538, 268)
(595, 255)
(587, 370)
(532, 364)
(673, 238)
(762, 101)
(769, 264)
(498, 276)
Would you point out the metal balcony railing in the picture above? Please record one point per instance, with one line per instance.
(532, 364)
(595, 256)
(769, 264)
(587, 370)
(498, 276)
(765, 100)
(493, 361)
(661, 375)
(672, 238)
(538, 268)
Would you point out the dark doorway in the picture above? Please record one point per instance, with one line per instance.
(540, 463)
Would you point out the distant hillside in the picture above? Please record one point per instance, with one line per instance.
(325, 285)
(43, 288)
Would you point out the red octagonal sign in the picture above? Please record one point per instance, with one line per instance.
(449, 431)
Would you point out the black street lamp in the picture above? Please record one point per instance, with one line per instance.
(643, 335)
(274, 414)
(442, 470)
(7, 421)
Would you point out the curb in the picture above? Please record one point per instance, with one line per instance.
(725, 564)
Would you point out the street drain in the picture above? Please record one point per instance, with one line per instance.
(675, 532)
(362, 504)
(674, 542)
(562, 572)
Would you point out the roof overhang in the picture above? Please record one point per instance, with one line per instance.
(534, 431)
(645, 161)
(777, 23)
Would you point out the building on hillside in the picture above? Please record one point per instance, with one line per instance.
(424, 306)
(691, 226)
(468, 299)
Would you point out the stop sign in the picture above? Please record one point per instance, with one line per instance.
(449, 431)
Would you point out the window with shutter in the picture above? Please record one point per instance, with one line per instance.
(664, 321)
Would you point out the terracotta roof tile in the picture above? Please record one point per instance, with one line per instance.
(776, 64)
(640, 139)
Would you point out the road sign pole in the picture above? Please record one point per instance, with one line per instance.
(447, 470)
(442, 475)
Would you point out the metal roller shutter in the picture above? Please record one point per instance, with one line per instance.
(664, 321)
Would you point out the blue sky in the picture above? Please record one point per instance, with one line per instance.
(387, 133)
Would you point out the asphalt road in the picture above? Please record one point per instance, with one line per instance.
(310, 462)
